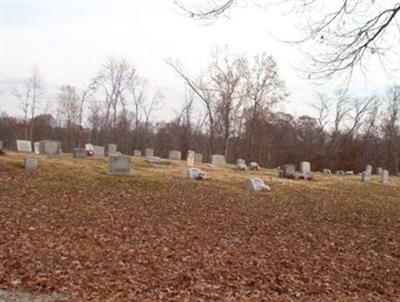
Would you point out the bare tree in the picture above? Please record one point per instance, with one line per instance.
(136, 88)
(347, 32)
(113, 78)
(265, 89)
(68, 106)
(200, 89)
(23, 95)
(28, 95)
(322, 108)
(391, 127)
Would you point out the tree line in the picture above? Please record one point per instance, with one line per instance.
(239, 96)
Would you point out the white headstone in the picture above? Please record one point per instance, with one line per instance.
(190, 158)
(36, 147)
(30, 163)
(148, 152)
(241, 164)
(98, 151)
(194, 173)
(368, 169)
(305, 167)
(89, 147)
(119, 165)
(24, 146)
(257, 184)
(365, 176)
(175, 155)
(111, 149)
(48, 147)
(137, 152)
(288, 171)
(384, 176)
(157, 160)
(254, 166)
(379, 171)
(218, 159)
(326, 171)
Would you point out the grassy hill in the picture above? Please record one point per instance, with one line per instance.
(72, 229)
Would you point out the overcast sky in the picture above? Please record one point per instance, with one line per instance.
(69, 40)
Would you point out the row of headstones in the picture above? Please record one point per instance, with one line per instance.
(366, 175)
(289, 171)
(241, 165)
(121, 165)
(47, 147)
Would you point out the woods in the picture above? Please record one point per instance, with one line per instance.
(239, 117)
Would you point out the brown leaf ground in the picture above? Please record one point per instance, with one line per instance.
(72, 229)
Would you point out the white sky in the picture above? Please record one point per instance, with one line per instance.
(69, 40)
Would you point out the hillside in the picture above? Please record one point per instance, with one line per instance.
(72, 229)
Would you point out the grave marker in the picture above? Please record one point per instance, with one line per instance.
(385, 176)
(241, 164)
(175, 155)
(218, 159)
(98, 151)
(24, 145)
(49, 147)
(30, 163)
(365, 176)
(119, 165)
(257, 185)
(288, 171)
(79, 153)
(148, 152)
(111, 149)
(190, 158)
(194, 174)
(137, 152)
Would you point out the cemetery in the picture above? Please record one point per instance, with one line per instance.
(100, 214)
(200, 151)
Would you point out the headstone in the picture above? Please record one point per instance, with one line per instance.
(111, 149)
(119, 165)
(379, 171)
(175, 155)
(79, 153)
(36, 147)
(365, 176)
(194, 173)
(157, 160)
(254, 166)
(384, 176)
(137, 152)
(288, 171)
(148, 152)
(368, 168)
(218, 159)
(350, 172)
(48, 147)
(305, 167)
(257, 184)
(1, 146)
(98, 151)
(340, 172)
(190, 158)
(30, 163)
(198, 158)
(24, 146)
(241, 164)
(326, 171)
